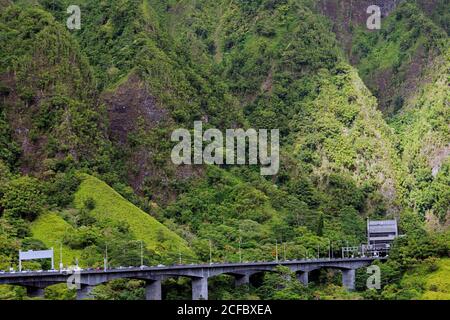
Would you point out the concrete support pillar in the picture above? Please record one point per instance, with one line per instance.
(34, 292)
(200, 288)
(84, 292)
(241, 280)
(348, 279)
(153, 290)
(303, 277)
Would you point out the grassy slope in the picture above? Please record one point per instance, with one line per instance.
(50, 229)
(109, 205)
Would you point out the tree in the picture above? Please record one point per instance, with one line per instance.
(286, 286)
(23, 198)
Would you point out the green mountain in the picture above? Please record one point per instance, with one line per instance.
(86, 118)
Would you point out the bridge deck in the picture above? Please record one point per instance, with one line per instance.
(244, 265)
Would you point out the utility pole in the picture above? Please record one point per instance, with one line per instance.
(284, 251)
(179, 253)
(318, 251)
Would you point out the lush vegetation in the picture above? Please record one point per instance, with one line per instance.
(106, 206)
(86, 117)
(399, 55)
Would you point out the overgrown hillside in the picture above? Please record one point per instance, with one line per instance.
(101, 210)
(405, 64)
(284, 66)
(432, 277)
(395, 61)
(51, 228)
(48, 93)
(86, 117)
(108, 207)
(423, 131)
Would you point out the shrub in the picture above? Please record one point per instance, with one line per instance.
(61, 188)
(89, 204)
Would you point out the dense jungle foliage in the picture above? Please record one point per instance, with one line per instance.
(86, 117)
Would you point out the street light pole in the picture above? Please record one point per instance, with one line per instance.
(332, 253)
(105, 261)
(276, 250)
(61, 266)
(240, 252)
(142, 253)
(210, 252)
(329, 249)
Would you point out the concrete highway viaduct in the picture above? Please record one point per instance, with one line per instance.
(36, 282)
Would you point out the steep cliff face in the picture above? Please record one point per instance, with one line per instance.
(48, 92)
(405, 64)
(392, 61)
(438, 11)
(355, 140)
(255, 64)
(423, 130)
(151, 85)
(347, 15)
